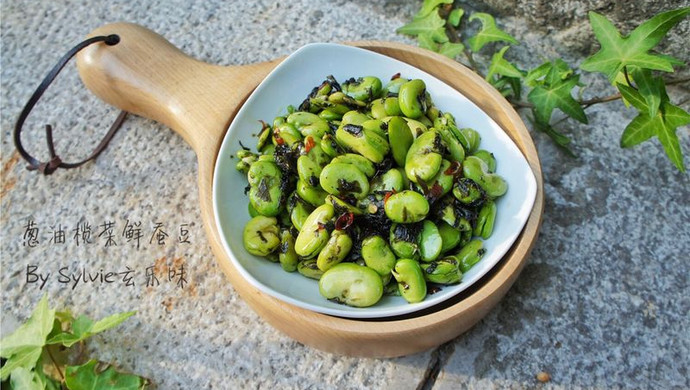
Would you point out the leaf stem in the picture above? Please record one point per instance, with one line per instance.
(627, 78)
(57, 367)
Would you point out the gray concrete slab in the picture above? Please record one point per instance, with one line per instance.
(603, 301)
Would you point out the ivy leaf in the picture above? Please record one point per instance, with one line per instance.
(92, 375)
(618, 51)
(632, 96)
(546, 97)
(501, 66)
(561, 140)
(455, 16)
(426, 42)
(83, 328)
(451, 50)
(23, 347)
(431, 24)
(25, 379)
(662, 125)
(430, 6)
(488, 33)
(651, 89)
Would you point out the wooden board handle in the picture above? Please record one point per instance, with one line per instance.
(146, 75)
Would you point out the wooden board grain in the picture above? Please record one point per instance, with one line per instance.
(146, 75)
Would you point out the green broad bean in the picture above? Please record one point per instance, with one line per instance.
(450, 236)
(376, 126)
(400, 139)
(335, 250)
(299, 213)
(268, 149)
(246, 159)
(351, 284)
(329, 115)
(264, 136)
(485, 220)
(393, 87)
(279, 120)
(366, 142)
(384, 107)
(449, 214)
(308, 170)
(354, 118)
(470, 139)
(252, 211)
(470, 255)
(286, 134)
(442, 271)
(313, 236)
(392, 180)
(309, 269)
(412, 98)
(264, 192)
(315, 196)
(406, 207)
(468, 192)
(424, 158)
(261, 235)
(363, 89)
(362, 163)
(343, 179)
(488, 158)
(342, 206)
(286, 254)
(308, 124)
(329, 145)
(476, 169)
(404, 241)
(417, 128)
(455, 148)
(410, 277)
(430, 242)
(342, 99)
(377, 255)
(443, 180)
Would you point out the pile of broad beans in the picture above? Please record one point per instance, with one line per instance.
(371, 190)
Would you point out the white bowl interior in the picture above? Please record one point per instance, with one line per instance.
(289, 83)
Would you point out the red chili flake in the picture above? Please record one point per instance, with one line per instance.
(396, 76)
(321, 226)
(388, 195)
(453, 168)
(344, 221)
(308, 144)
(436, 190)
(279, 140)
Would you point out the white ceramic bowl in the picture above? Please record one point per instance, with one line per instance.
(289, 83)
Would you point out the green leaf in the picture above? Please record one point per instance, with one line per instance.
(451, 50)
(488, 33)
(663, 125)
(25, 357)
(91, 376)
(642, 128)
(502, 67)
(561, 140)
(650, 88)
(547, 97)
(431, 24)
(618, 51)
(633, 97)
(25, 379)
(32, 333)
(111, 321)
(455, 16)
(534, 75)
(430, 6)
(426, 42)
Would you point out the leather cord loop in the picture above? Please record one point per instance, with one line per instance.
(55, 161)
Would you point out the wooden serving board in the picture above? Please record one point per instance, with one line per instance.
(146, 75)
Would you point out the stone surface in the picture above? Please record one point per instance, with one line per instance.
(569, 22)
(603, 301)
